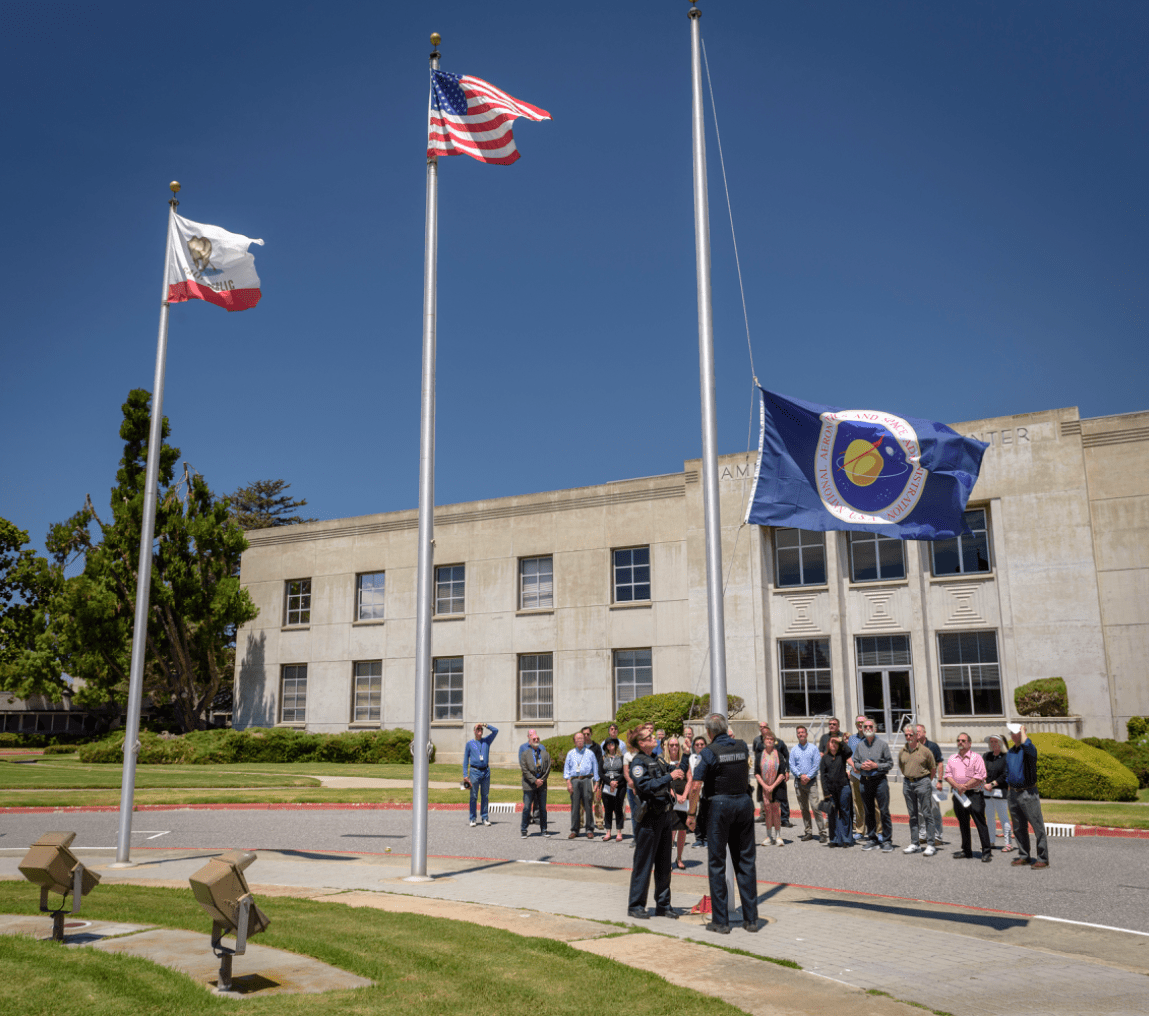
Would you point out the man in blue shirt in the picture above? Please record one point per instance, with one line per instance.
(1024, 801)
(581, 773)
(477, 767)
(804, 761)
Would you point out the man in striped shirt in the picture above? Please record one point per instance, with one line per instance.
(804, 760)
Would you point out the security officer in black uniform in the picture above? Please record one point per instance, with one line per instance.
(724, 772)
(653, 836)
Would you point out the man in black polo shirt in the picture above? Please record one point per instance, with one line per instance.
(722, 770)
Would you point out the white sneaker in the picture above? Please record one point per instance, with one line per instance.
(486, 821)
(768, 842)
(472, 823)
(929, 852)
(779, 842)
(913, 848)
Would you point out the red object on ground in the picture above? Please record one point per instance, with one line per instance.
(702, 906)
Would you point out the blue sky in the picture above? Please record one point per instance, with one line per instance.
(941, 211)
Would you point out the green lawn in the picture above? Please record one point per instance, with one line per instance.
(320, 795)
(1100, 813)
(421, 966)
(65, 771)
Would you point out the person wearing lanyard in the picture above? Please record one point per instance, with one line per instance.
(535, 763)
(581, 773)
(477, 768)
(965, 772)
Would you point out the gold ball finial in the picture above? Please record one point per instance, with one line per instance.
(174, 186)
(436, 38)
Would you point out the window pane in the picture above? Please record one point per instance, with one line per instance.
(794, 704)
(789, 568)
(786, 537)
(371, 586)
(975, 552)
(864, 555)
(814, 563)
(640, 555)
(957, 702)
(891, 558)
(946, 557)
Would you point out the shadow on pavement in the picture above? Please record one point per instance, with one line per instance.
(998, 922)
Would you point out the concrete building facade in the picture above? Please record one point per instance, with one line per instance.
(554, 608)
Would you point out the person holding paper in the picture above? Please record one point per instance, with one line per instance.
(672, 748)
(997, 792)
(965, 772)
(613, 788)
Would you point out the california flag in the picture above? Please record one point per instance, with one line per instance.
(209, 263)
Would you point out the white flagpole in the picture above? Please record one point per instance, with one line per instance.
(144, 577)
(421, 743)
(711, 513)
(713, 522)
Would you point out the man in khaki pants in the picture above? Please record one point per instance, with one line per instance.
(856, 787)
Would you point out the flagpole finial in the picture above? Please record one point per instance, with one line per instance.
(694, 11)
(174, 187)
(436, 38)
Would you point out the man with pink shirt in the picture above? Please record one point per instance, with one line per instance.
(965, 772)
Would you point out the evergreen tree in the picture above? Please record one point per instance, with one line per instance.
(29, 660)
(196, 600)
(263, 504)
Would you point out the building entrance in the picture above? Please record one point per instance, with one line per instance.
(885, 681)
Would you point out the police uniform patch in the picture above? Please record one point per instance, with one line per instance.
(637, 771)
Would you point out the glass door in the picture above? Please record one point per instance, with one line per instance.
(887, 698)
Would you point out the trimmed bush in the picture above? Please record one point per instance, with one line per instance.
(1134, 756)
(1072, 770)
(276, 744)
(1137, 727)
(30, 740)
(667, 711)
(701, 708)
(560, 744)
(1047, 696)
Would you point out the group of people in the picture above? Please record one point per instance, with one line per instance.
(705, 784)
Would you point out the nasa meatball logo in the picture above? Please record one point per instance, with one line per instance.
(868, 466)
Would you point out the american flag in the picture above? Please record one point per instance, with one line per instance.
(470, 116)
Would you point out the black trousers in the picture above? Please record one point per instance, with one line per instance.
(612, 808)
(535, 798)
(876, 802)
(701, 818)
(976, 811)
(731, 823)
(653, 839)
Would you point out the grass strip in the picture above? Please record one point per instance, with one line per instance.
(321, 795)
(904, 1001)
(75, 775)
(422, 966)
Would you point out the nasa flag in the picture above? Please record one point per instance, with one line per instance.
(209, 263)
(823, 468)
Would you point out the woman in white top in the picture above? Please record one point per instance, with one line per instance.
(672, 746)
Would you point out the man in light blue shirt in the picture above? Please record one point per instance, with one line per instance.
(477, 768)
(804, 761)
(581, 773)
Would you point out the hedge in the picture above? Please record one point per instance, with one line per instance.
(1047, 696)
(276, 744)
(701, 708)
(667, 711)
(30, 740)
(558, 746)
(1068, 769)
(1132, 755)
(1137, 727)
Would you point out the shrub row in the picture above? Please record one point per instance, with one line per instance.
(202, 747)
(1137, 728)
(1047, 696)
(1072, 770)
(30, 740)
(1132, 755)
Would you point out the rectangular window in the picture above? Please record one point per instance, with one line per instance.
(883, 650)
(633, 676)
(800, 558)
(631, 575)
(971, 675)
(450, 581)
(368, 692)
(805, 669)
(369, 596)
(536, 686)
(968, 553)
(875, 558)
(536, 583)
(448, 681)
(299, 601)
(293, 694)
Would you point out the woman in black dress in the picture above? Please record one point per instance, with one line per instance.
(673, 749)
(613, 789)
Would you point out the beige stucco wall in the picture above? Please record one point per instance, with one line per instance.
(1068, 507)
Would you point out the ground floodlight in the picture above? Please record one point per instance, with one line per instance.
(220, 888)
(54, 868)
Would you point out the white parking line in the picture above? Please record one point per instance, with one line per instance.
(1086, 924)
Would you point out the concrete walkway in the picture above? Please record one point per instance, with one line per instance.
(846, 943)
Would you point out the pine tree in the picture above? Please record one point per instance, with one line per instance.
(263, 504)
